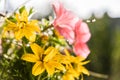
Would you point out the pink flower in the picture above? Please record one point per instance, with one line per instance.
(81, 49)
(58, 8)
(71, 28)
(82, 35)
(65, 22)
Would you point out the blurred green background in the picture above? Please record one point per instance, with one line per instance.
(105, 47)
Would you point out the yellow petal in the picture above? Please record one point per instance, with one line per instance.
(68, 77)
(19, 34)
(85, 71)
(51, 52)
(83, 63)
(66, 52)
(29, 58)
(61, 59)
(34, 25)
(49, 67)
(73, 72)
(24, 16)
(58, 66)
(17, 17)
(81, 69)
(31, 36)
(38, 51)
(48, 50)
(11, 26)
(10, 22)
(80, 58)
(29, 33)
(38, 68)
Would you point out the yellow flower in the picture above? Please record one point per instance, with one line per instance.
(75, 68)
(70, 74)
(23, 27)
(44, 60)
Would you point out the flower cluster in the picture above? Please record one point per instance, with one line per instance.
(57, 48)
(73, 29)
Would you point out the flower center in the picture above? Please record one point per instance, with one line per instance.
(21, 25)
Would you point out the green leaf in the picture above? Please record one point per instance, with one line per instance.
(12, 19)
(21, 9)
(31, 11)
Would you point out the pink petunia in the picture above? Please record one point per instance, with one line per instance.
(72, 29)
(81, 49)
(64, 22)
(58, 8)
(82, 35)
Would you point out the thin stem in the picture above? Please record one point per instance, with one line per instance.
(39, 77)
(98, 75)
(47, 28)
(24, 47)
(44, 78)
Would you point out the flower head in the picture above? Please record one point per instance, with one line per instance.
(72, 29)
(43, 59)
(64, 22)
(82, 35)
(22, 27)
(75, 68)
(81, 49)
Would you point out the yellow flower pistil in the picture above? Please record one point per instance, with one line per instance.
(44, 60)
(23, 27)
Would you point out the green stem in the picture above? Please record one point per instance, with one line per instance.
(39, 77)
(56, 41)
(24, 47)
(98, 75)
(44, 78)
(47, 28)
